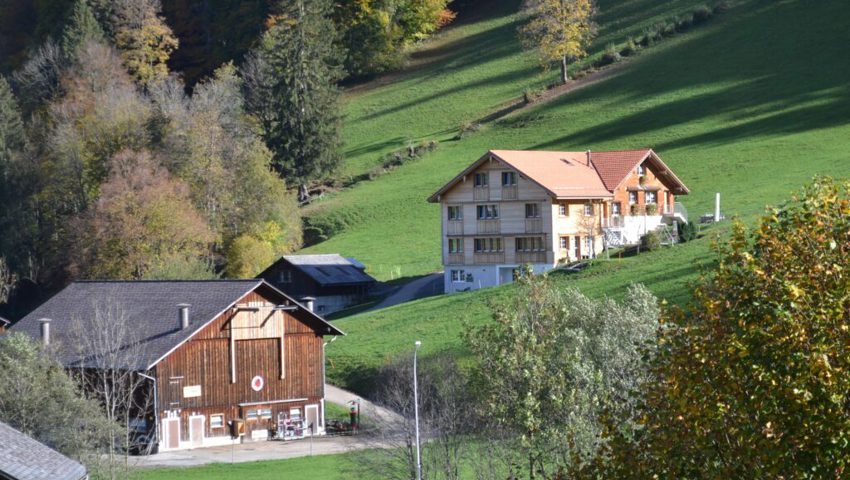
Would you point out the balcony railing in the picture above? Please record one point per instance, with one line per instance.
(454, 227)
(481, 194)
(488, 226)
(509, 192)
(614, 221)
(455, 259)
(489, 257)
(678, 211)
(531, 257)
(533, 225)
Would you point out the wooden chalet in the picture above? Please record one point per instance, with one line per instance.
(331, 281)
(218, 353)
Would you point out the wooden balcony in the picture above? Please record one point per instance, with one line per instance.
(455, 259)
(489, 257)
(531, 257)
(488, 226)
(481, 194)
(454, 227)
(509, 192)
(533, 225)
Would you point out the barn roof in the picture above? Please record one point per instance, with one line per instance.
(24, 458)
(4, 321)
(569, 175)
(151, 307)
(329, 269)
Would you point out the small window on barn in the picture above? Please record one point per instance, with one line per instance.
(320, 308)
(265, 413)
(251, 415)
(217, 421)
(286, 276)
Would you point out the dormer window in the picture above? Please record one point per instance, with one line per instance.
(640, 170)
(508, 179)
(481, 179)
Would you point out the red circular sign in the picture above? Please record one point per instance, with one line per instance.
(257, 383)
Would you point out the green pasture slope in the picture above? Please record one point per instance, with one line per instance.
(752, 105)
(321, 467)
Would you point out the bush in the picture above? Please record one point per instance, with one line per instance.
(701, 14)
(634, 209)
(651, 209)
(669, 29)
(466, 129)
(684, 24)
(687, 231)
(530, 95)
(650, 241)
(630, 48)
(610, 56)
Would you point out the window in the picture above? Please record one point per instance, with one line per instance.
(530, 244)
(251, 415)
(650, 197)
(455, 245)
(488, 212)
(481, 179)
(455, 212)
(563, 210)
(458, 276)
(641, 170)
(320, 308)
(588, 209)
(588, 245)
(565, 243)
(487, 245)
(532, 210)
(286, 276)
(508, 179)
(265, 413)
(217, 420)
(616, 208)
(632, 198)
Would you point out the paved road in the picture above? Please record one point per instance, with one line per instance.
(276, 449)
(429, 285)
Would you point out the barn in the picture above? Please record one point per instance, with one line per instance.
(220, 357)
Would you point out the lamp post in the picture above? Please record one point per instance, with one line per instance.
(416, 411)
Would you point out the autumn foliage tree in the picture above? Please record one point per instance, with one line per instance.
(755, 381)
(558, 30)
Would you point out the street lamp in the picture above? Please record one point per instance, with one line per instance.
(416, 411)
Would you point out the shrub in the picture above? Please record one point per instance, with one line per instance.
(650, 241)
(635, 209)
(466, 129)
(669, 29)
(687, 231)
(630, 48)
(530, 95)
(657, 31)
(610, 56)
(701, 14)
(684, 24)
(651, 209)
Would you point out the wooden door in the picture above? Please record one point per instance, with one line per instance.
(196, 430)
(312, 414)
(171, 430)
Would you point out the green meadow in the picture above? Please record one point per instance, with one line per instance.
(751, 104)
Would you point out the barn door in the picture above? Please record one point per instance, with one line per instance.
(312, 414)
(196, 430)
(171, 433)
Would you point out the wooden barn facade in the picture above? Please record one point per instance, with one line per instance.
(219, 355)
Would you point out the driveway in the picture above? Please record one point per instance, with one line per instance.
(429, 285)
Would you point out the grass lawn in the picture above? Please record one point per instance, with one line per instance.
(751, 105)
(321, 467)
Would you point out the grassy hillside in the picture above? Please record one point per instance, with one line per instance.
(751, 105)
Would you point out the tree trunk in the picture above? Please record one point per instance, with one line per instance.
(564, 77)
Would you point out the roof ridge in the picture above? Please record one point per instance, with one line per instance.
(207, 280)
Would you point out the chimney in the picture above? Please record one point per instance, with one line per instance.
(308, 302)
(45, 331)
(588, 158)
(183, 315)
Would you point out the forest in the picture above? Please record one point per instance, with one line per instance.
(149, 140)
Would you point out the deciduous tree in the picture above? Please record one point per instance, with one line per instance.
(554, 361)
(143, 38)
(755, 381)
(558, 30)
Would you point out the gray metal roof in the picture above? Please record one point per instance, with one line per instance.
(3, 321)
(151, 307)
(330, 269)
(23, 458)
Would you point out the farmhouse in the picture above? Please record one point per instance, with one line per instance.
(330, 281)
(215, 354)
(513, 207)
(24, 458)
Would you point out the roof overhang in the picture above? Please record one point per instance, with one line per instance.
(664, 173)
(435, 197)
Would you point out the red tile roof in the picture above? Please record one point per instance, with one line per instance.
(575, 174)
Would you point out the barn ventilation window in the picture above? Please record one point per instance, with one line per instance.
(217, 421)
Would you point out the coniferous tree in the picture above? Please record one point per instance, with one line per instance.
(11, 126)
(81, 28)
(292, 88)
